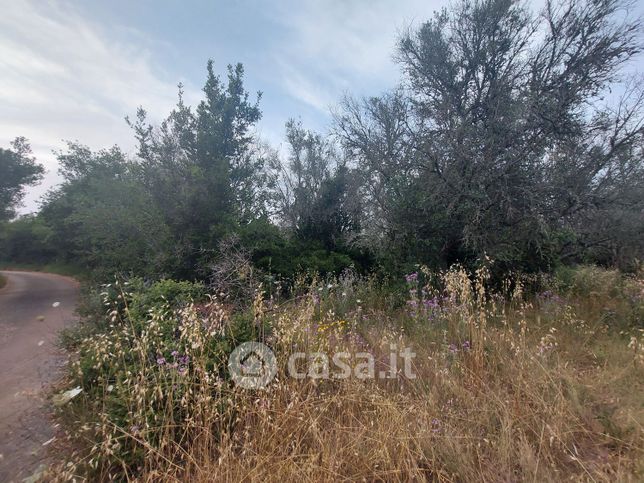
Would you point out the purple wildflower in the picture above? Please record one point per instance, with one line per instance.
(431, 303)
(412, 277)
(160, 361)
(453, 349)
(466, 345)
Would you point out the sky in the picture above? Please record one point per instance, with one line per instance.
(73, 69)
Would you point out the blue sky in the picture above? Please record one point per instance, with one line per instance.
(73, 69)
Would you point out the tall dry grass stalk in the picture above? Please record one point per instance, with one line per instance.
(507, 388)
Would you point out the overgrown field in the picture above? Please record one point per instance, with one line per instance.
(539, 379)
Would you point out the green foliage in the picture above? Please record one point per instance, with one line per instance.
(148, 353)
(315, 193)
(197, 177)
(103, 218)
(26, 240)
(273, 251)
(18, 168)
(498, 142)
(133, 300)
(589, 280)
(499, 145)
(201, 168)
(322, 261)
(166, 292)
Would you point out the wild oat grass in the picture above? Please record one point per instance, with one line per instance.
(509, 387)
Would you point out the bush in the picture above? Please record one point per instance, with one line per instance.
(131, 300)
(586, 280)
(144, 297)
(155, 370)
(273, 252)
(26, 240)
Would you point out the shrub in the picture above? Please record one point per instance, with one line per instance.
(155, 373)
(143, 297)
(588, 280)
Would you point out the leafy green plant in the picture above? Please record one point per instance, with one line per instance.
(154, 368)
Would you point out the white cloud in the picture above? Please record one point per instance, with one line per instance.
(305, 89)
(334, 46)
(66, 78)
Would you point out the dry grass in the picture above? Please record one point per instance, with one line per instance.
(508, 388)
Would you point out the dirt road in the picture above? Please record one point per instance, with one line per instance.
(33, 308)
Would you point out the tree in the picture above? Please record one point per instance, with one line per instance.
(203, 167)
(498, 136)
(101, 216)
(18, 168)
(26, 240)
(315, 194)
